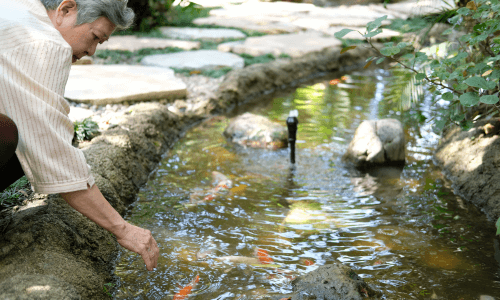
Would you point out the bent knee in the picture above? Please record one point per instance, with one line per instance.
(9, 135)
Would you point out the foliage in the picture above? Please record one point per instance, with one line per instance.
(10, 196)
(107, 287)
(154, 13)
(464, 73)
(86, 129)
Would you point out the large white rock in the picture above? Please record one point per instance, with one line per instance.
(187, 33)
(79, 114)
(201, 59)
(108, 84)
(295, 44)
(377, 142)
(134, 43)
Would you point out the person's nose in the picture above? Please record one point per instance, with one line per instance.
(92, 49)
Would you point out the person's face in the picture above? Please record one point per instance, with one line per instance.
(83, 38)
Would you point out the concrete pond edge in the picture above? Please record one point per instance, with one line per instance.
(50, 251)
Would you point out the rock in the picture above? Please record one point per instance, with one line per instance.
(257, 132)
(332, 282)
(226, 47)
(295, 44)
(109, 84)
(133, 43)
(187, 33)
(37, 287)
(375, 143)
(201, 59)
(414, 8)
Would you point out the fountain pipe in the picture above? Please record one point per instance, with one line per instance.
(291, 123)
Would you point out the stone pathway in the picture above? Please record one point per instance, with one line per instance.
(294, 45)
(201, 59)
(296, 29)
(201, 33)
(133, 43)
(110, 84)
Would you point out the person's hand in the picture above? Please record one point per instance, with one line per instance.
(140, 241)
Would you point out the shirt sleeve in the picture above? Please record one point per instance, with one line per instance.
(33, 77)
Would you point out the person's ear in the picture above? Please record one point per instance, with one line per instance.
(65, 9)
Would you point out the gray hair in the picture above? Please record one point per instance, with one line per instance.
(90, 10)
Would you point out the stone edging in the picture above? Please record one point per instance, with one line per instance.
(470, 159)
(72, 255)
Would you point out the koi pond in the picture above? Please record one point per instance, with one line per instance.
(402, 230)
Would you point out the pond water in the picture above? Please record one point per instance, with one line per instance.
(402, 230)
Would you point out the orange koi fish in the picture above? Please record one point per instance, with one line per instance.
(263, 256)
(184, 293)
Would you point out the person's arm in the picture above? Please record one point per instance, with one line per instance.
(92, 204)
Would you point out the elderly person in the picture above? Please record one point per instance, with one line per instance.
(39, 39)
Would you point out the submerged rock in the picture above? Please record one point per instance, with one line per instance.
(257, 132)
(332, 282)
(376, 143)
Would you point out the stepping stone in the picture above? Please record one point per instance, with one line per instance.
(256, 24)
(419, 7)
(201, 59)
(187, 33)
(295, 44)
(110, 84)
(133, 43)
(226, 47)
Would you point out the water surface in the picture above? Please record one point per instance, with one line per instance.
(401, 229)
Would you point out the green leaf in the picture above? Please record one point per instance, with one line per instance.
(373, 33)
(460, 87)
(420, 76)
(447, 31)
(465, 38)
(402, 45)
(489, 99)
(478, 82)
(447, 96)
(340, 34)
(469, 99)
(463, 11)
(347, 49)
(390, 51)
(407, 56)
(380, 60)
(375, 24)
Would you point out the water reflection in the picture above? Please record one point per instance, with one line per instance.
(401, 228)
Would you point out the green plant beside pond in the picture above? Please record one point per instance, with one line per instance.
(85, 130)
(12, 195)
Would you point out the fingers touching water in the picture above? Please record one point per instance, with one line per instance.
(140, 241)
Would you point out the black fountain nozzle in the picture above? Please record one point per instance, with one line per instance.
(291, 123)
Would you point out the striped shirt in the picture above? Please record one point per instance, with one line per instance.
(35, 62)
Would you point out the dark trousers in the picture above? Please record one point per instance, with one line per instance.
(10, 168)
